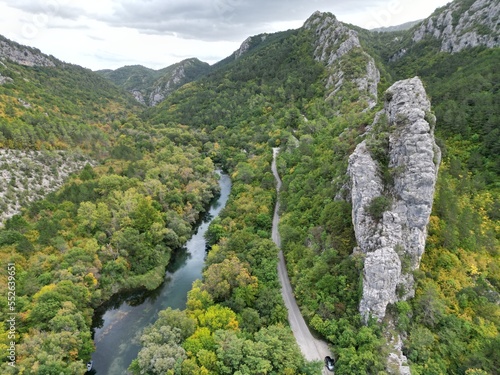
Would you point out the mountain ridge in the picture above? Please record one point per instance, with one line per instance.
(150, 86)
(315, 92)
(25, 55)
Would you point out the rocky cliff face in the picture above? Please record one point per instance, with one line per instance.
(462, 25)
(26, 176)
(150, 87)
(165, 87)
(393, 174)
(23, 55)
(248, 43)
(338, 47)
(4, 80)
(170, 82)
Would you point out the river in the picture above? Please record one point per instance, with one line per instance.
(117, 338)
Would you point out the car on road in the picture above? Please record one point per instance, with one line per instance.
(329, 363)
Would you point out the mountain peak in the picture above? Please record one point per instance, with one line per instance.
(463, 24)
(150, 86)
(249, 43)
(317, 17)
(336, 46)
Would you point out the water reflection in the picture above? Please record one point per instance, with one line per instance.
(119, 323)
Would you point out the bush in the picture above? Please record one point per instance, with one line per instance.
(378, 206)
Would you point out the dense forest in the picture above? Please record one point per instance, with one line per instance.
(109, 228)
(114, 226)
(146, 84)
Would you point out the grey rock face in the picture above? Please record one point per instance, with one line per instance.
(4, 80)
(23, 55)
(394, 243)
(247, 44)
(138, 96)
(381, 275)
(335, 42)
(460, 28)
(366, 184)
(164, 88)
(27, 176)
(24, 103)
(398, 55)
(170, 82)
(150, 87)
(397, 363)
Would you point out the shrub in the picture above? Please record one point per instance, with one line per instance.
(378, 206)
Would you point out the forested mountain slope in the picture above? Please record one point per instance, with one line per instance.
(60, 112)
(318, 136)
(457, 295)
(149, 86)
(131, 196)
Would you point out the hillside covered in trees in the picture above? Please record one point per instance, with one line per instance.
(114, 225)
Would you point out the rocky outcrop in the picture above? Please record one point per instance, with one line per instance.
(393, 239)
(338, 47)
(397, 362)
(461, 26)
(150, 87)
(138, 96)
(392, 178)
(26, 176)
(248, 43)
(23, 55)
(169, 83)
(4, 80)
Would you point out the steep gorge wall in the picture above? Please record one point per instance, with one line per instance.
(393, 242)
(172, 81)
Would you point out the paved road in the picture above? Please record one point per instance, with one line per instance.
(312, 348)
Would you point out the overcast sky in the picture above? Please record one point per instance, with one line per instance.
(100, 34)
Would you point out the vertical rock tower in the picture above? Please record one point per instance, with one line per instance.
(393, 174)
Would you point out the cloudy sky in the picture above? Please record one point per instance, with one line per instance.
(100, 34)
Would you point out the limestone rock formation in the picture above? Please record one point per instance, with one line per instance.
(393, 242)
(335, 44)
(169, 83)
(26, 176)
(4, 80)
(459, 26)
(149, 86)
(138, 96)
(23, 55)
(248, 43)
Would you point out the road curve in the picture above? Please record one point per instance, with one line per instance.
(312, 348)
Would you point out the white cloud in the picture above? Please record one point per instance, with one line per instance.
(156, 33)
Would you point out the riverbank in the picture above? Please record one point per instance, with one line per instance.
(116, 340)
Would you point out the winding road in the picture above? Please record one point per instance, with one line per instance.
(312, 348)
